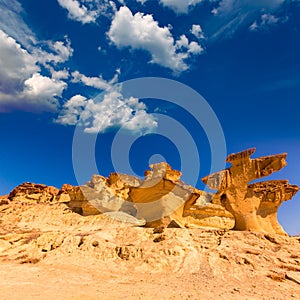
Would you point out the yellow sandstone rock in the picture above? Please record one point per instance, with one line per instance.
(254, 206)
(162, 199)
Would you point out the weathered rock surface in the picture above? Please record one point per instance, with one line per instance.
(4, 200)
(84, 242)
(100, 195)
(254, 206)
(159, 199)
(272, 194)
(163, 199)
(33, 192)
(46, 247)
(208, 216)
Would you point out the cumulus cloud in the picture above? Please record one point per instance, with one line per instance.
(78, 12)
(197, 31)
(111, 111)
(26, 62)
(141, 31)
(39, 87)
(21, 84)
(191, 47)
(16, 64)
(72, 110)
(194, 48)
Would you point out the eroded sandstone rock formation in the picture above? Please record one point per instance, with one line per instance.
(31, 192)
(254, 206)
(163, 199)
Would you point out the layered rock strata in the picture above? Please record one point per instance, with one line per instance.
(163, 199)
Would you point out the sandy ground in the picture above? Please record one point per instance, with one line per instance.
(47, 251)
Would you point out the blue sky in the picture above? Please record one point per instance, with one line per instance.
(63, 62)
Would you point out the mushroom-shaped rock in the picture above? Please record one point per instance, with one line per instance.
(252, 205)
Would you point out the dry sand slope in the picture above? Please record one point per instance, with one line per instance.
(48, 251)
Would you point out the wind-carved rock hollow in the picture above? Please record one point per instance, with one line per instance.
(162, 199)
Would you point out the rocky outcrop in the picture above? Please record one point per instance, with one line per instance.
(31, 192)
(76, 199)
(162, 199)
(208, 216)
(272, 194)
(4, 200)
(46, 247)
(254, 206)
(101, 195)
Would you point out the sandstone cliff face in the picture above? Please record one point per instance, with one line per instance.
(163, 199)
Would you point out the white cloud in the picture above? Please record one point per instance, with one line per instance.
(14, 26)
(183, 42)
(15, 63)
(268, 19)
(78, 12)
(265, 21)
(192, 47)
(230, 6)
(12, 23)
(197, 31)
(141, 31)
(41, 88)
(195, 48)
(87, 11)
(56, 52)
(96, 82)
(60, 74)
(22, 55)
(179, 6)
(254, 26)
(231, 15)
(112, 111)
(72, 110)
(21, 84)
